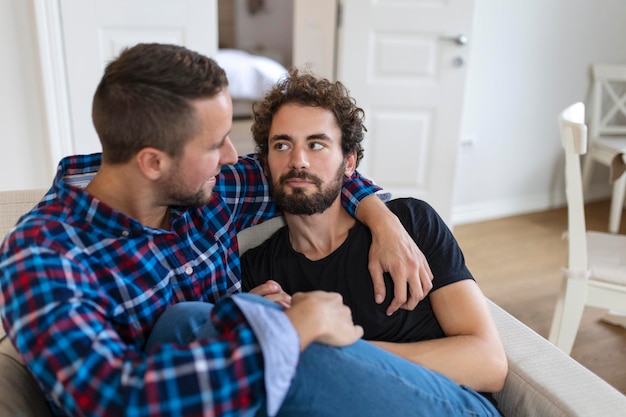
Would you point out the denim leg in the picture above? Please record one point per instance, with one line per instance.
(363, 380)
(188, 321)
(183, 323)
(358, 380)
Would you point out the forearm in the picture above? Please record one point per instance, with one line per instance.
(468, 360)
(373, 213)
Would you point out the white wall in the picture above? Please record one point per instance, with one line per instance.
(23, 153)
(529, 59)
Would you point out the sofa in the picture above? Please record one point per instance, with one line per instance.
(542, 380)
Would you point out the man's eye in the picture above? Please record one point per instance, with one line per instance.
(316, 146)
(280, 146)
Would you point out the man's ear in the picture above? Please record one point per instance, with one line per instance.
(153, 163)
(350, 164)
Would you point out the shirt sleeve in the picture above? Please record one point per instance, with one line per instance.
(245, 189)
(65, 333)
(355, 189)
(280, 344)
(431, 233)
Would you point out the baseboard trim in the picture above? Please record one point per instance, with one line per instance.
(495, 209)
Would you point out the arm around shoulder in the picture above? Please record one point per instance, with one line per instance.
(394, 251)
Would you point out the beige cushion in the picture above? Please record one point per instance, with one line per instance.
(19, 393)
(13, 204)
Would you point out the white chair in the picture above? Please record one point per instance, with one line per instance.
(596, 269)
(607, 133)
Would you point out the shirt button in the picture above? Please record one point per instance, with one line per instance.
(189, 270)
(125, 233)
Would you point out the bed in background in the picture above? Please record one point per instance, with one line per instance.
(249, 78)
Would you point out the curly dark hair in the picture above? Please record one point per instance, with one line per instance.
(305, 88)
(144, 99)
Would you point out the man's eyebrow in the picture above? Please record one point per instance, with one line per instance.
(318, 136)
(314, 136)
(281, 136)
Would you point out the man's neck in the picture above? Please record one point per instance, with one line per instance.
(119, 188)
(317, 236)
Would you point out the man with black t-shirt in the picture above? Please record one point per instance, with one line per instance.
(308, 133)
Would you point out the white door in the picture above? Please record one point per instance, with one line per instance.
(94, 31)
(405, 62)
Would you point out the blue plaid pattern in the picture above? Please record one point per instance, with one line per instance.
(82, 284)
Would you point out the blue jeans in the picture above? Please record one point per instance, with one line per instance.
(358, 380)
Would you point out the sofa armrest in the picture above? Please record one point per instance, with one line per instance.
(544, 381)
(19, 393)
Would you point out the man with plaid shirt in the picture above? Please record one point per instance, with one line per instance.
(126, 242)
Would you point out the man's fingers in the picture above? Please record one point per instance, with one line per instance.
(282, 298)
(358, 332)
(268, 287)
(380, 291)
(412, 280)
(425, 272)
(418, 292)
(399, 297)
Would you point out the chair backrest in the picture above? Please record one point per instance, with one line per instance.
(608, 112)
(574, 141)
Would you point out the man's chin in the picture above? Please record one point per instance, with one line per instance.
(201, 198)
(204, 196)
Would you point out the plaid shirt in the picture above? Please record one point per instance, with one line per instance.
(82, 285)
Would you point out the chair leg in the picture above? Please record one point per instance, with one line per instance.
(566, 326)
(617, 203)
(587, 172)
(557, 319)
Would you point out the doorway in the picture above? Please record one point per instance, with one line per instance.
(255, 49)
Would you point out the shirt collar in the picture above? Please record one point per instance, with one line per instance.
(73, 174)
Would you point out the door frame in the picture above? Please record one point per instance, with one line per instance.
(55, 83)
(53, 76)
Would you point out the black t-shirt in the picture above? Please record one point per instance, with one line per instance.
(345, 271)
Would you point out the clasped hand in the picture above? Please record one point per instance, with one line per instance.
(317, 316)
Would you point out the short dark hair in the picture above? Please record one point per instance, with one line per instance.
(143, 99)
(305, 88)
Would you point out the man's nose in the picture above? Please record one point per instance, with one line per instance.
(298, 158)
(229, 153)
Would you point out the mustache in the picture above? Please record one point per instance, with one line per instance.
(301, 175)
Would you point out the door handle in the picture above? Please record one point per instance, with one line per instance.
(460, 40)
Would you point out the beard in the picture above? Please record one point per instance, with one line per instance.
(174, 197)
(173, 192)
(298, 202)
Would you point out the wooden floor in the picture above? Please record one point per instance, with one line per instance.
(517, 260)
